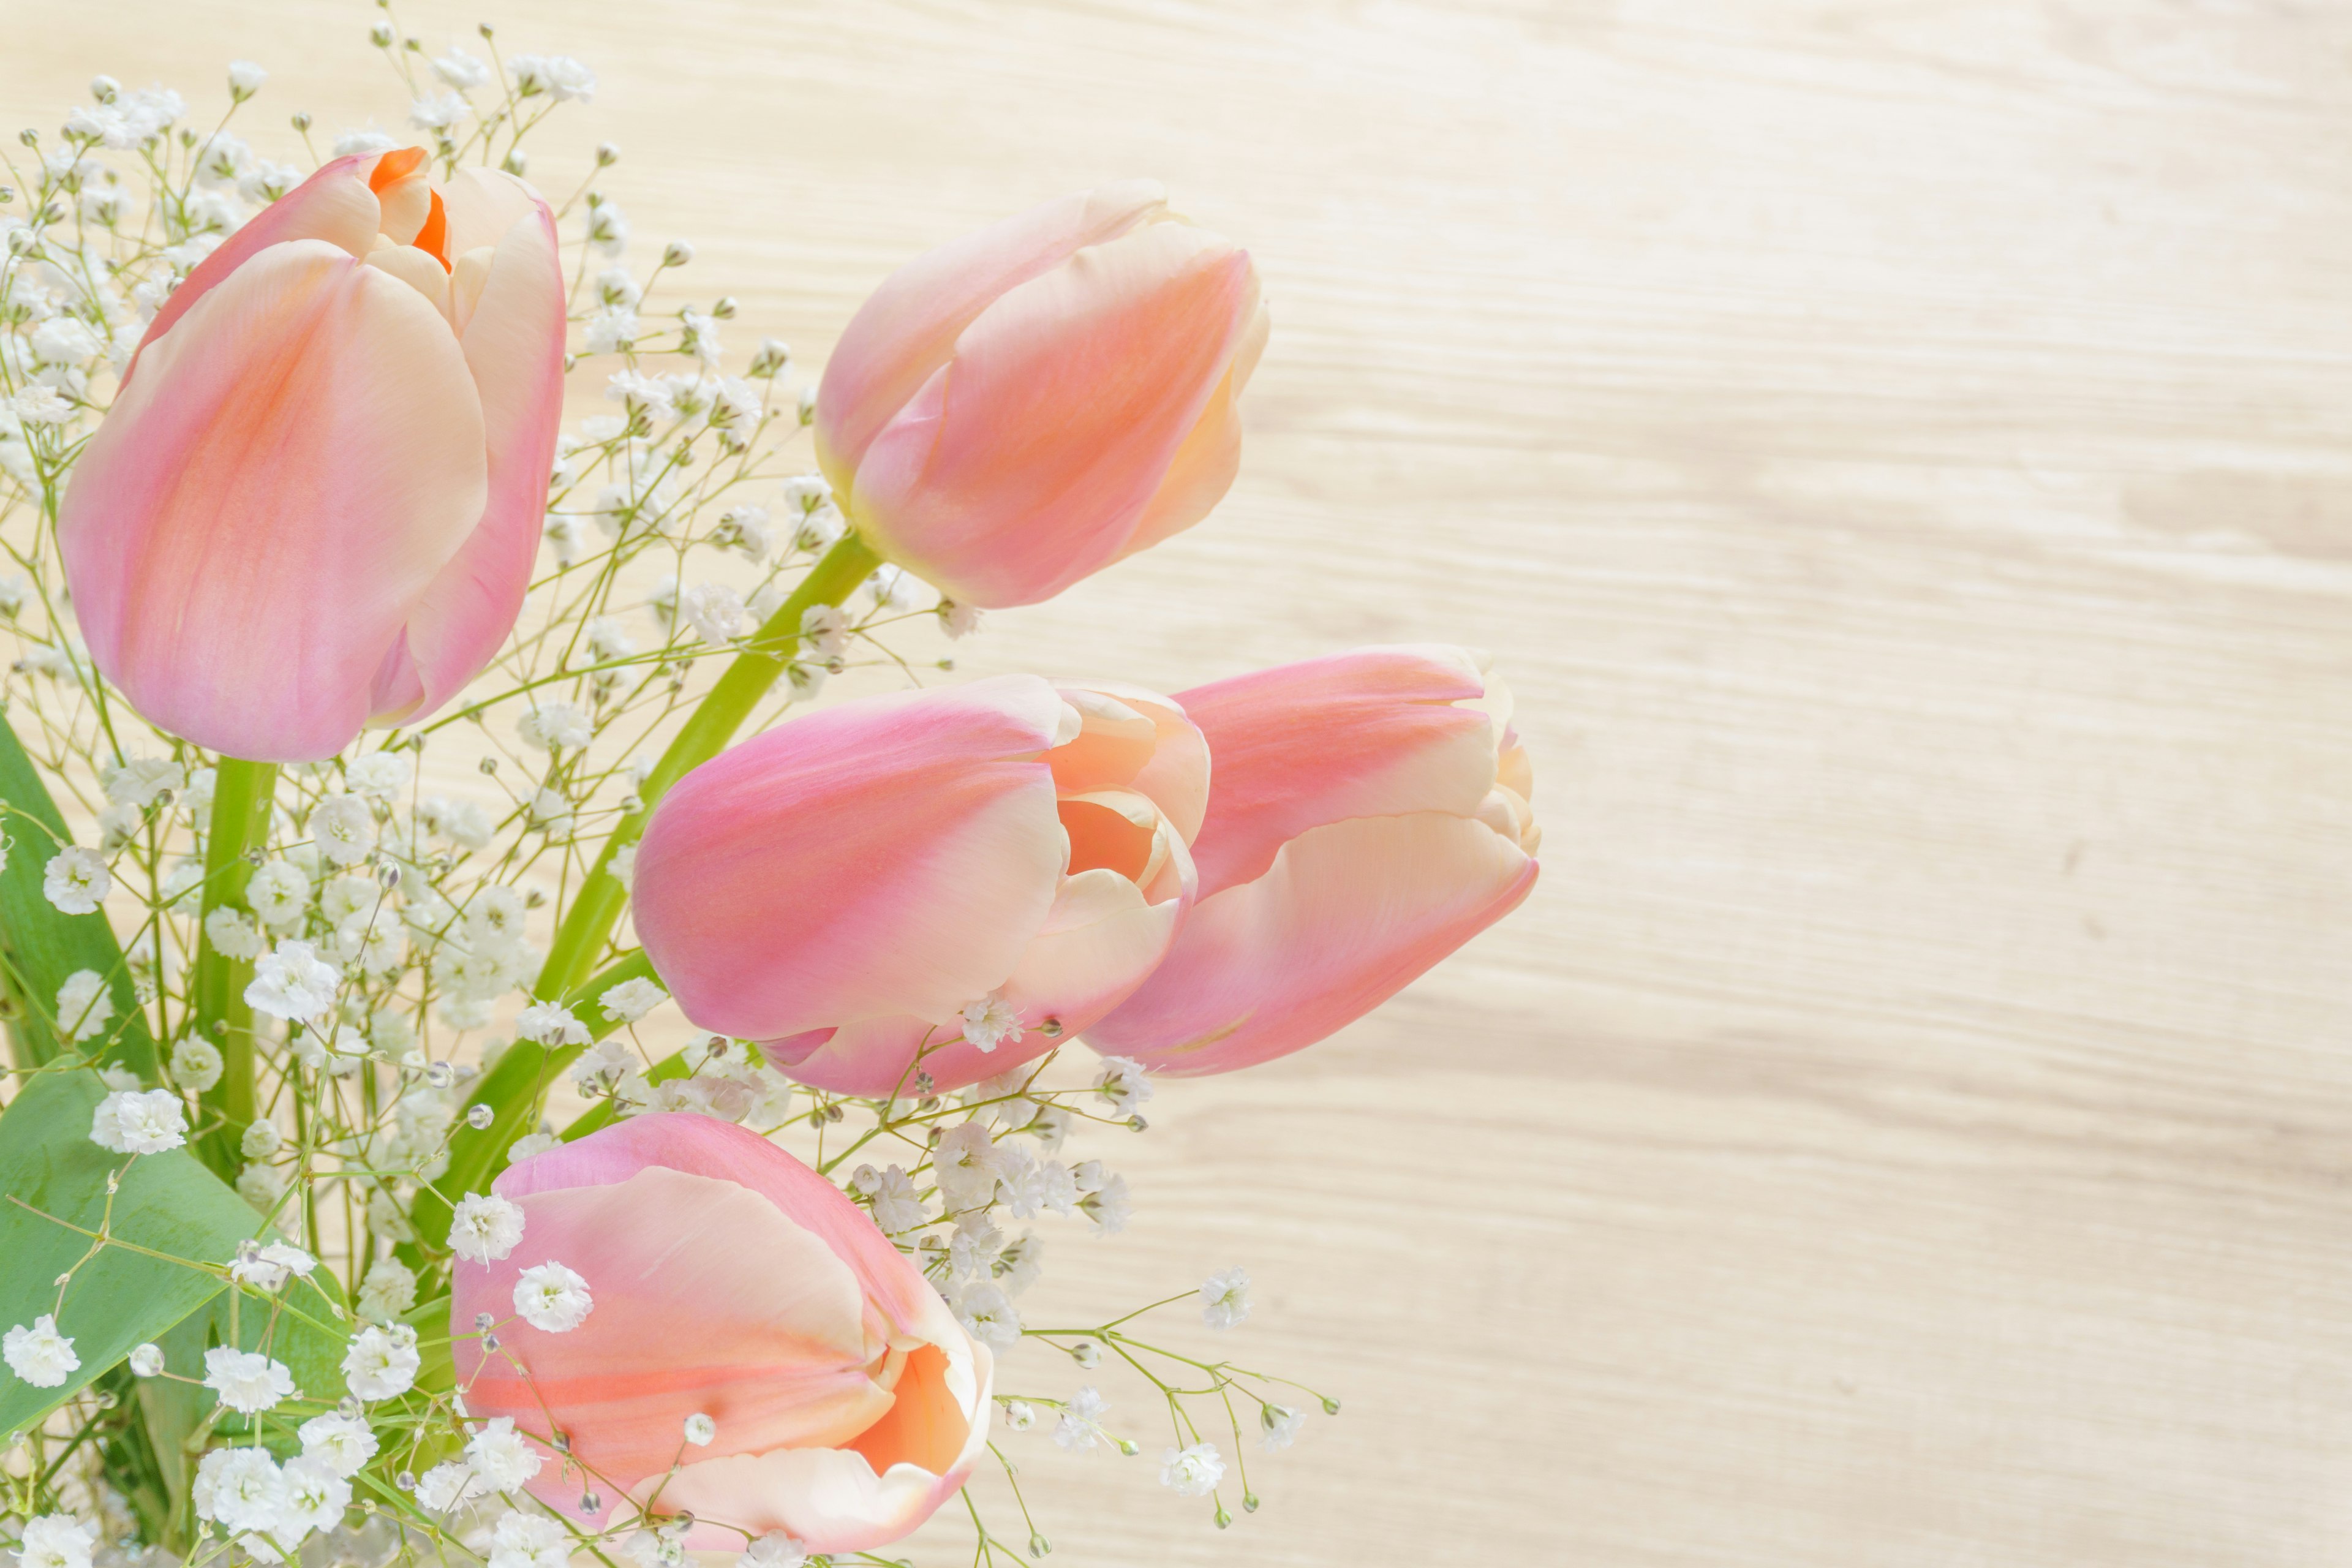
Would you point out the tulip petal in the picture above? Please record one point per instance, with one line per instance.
(333, 204)
(833, 1499)
(701, 1146)
(790, 884)
(1347, 914)
(481, 207)
(513, 343)
(778, 1354)
(1205, 465)
(1098, 944)
(1026, 463)
(1168, 763)
(1375, 733)
(907, 328)
(253, 522)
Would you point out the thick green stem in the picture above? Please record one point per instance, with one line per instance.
(589, 922)
(514, 1088)
(243, 794)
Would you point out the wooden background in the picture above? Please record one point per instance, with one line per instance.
(1901, 454)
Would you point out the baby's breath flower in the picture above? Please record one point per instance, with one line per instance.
(501, 1456)
(133, 1121)
(484, 1230)
(1080, 1426)
(552, 1298)
(246, 1381)
(38, 1353)
(1224, 1298)
(84, 1007)
(1192, 1472)
(76, 881)
(56, 1541)
(341, 1444)
(381, 1362)
(196, 1064)
(290, 982)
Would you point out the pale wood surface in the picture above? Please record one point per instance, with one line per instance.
(1902, 456)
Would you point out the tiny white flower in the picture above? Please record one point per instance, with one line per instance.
(552, 726)
(381, 1362)
(602, 1066)
(389, 1290)
(147, 1360)
(552, 1298)
(655, 1549)
(896, 1208)
(280, 894)
(131, 1121)
(549, 1023)
(558, 76)
(246, 1381)
(631, 1000)
(56, 1541)
(825, 629)
(891, 588)
(715, 611)
(959, 620)
(700, 1430)
(521, 1540)
(343, 1445)
(529, 1144)
(138, 782)
(290, 982)
(1107, 1204)
(343, 829)
(316, 1498)
(196, 1064)
(84, 1007)
(1191, 1472)
(365, 139)
(1020, 1414)
(242, 1489)
(775, 1550)
(40, 405)
(624, 867)
(989, 1021)
(234, 934)
(1080, 1426)
(245, 77)
(438, 112)
(1123, 1081)
(460, 70)
(446, 1485)
(500, 1456)
(38, 1353)
(611, 330)
(988, 1315)
(381, 776)
(270, 1266)
(77, 881)
(1278, 1424)
(484, 1230)
(261, 1187)
(1224, 1298)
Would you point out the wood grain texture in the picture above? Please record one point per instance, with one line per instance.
(1901, 454)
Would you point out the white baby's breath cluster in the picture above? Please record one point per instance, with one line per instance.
(398, 900)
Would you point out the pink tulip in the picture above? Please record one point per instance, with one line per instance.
(316, 501)
(1370, 815)
(726, 1279)
(1022, 407)
(903, 876)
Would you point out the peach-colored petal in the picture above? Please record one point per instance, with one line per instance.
(1205, 465)
(1139, 739)
(333, 204)
(1375, 733)
(909, 326)
(778, 1353)
(1098, 944)
(483, 205)
(402, 180)
(513, 343)
(885, 855)
(1026, 463)
(833, 1499)
(701, 1146)
(251, 524)
(1346, 915)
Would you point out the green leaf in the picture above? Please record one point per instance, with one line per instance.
(168, 1205)
(40, 944)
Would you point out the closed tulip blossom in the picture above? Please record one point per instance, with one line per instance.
(843, 1400)
(1368, 815)
(316, 499)
(1024, 406)
(941, 882)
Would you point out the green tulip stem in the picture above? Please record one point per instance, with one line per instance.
(588, 924)
(243, 795)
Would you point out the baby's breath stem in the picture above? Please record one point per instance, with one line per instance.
(707, 729)
(242, 793)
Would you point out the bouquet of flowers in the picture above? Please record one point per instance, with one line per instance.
(393, 775)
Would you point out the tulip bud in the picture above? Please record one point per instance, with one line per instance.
(1021, 850)
(796, 1298)
(1101, 338)
(1367, 815)
(396, 347)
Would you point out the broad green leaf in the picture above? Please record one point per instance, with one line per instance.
(40, 944)
(168, 1205)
